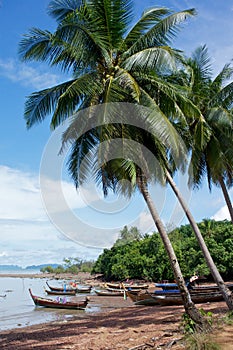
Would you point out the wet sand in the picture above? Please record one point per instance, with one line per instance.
(120, 325)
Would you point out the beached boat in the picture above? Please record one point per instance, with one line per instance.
(108, 293)
(55, 292)
(198, 288)
(65, 288)
(197, 298)
(210, 288)
(83, 289)
(144, 298)
(147, 302)
(62, 303)
(125, 285)
(70, 288)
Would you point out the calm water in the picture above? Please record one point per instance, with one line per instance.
(18, 310)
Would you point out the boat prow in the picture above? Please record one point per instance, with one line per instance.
(60, 303)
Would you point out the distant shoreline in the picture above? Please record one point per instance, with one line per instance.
(83, 276)
(27, 275)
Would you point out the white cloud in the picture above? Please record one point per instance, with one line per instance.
(145, 222)
(20, 196)
(27, 235)
(222, 214)
(26, 75)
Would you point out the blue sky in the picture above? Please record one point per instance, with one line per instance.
(28, 234)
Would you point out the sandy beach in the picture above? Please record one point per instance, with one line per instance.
(123, 328)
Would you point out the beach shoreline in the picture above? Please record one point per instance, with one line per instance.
(119, 325)
(124, 328)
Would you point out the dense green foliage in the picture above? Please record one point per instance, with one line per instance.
(71, 265)
(147, 258)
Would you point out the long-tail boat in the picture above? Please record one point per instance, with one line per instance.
(144, 298)
(55, 292)
(70, 288)
(197, 298)
(110, 293)
(62, 303)
(65, 288)
(126, 285)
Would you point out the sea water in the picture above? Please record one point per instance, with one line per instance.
(17, 308)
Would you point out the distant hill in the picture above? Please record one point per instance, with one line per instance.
(38, 267)
(20, 268)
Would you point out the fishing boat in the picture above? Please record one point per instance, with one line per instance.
(202, 288)
(57, 292)
(65, 288)
(62, 303)
(197, 298)
(145, 298)
(71, 287)
(147, 302)
(211, 288)
(83, 289)
(125, 285)
(123, 290)
(109, 293)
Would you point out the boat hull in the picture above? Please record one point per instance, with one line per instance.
(198, 298)
(44, 302)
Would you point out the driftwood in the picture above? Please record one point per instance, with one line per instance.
(142, 346)
(166, 345)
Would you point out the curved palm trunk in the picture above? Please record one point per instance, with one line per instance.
(226, 196)
(189, 306)
(213, 269)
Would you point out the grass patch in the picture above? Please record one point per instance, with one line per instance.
(200, 341)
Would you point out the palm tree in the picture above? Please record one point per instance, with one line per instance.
(214, 97)
(109, 63)
(123, 166)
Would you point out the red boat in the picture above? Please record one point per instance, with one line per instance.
(62, 303)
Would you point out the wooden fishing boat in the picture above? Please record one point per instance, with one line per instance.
(139, 298)
(70, 288)
(122, 290)
(147, 302)
(113, 293)
(83, 289)
(61, 304)
(65, 288)
(211, 288)
(129, 286)
(202, 288)
(55, 292)
(197, 298)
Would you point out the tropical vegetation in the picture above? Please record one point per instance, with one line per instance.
(111, 62)
(70, 265)
(146, 257)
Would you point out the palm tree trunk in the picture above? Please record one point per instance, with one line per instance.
(226, 196)
(213, 269)
(190, 308)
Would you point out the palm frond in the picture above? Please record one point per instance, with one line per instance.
(59, 9)
(113, 19)
(156, 58)
(148, 19)
(201, 62)
(42, 103)
(161, 33)
(82, 88)
(36, 45)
